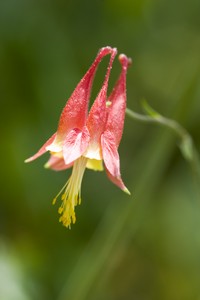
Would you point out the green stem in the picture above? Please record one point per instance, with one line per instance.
(157, 118)
(187, 146)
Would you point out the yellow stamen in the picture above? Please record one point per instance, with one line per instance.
(54, 199)
(72, 194)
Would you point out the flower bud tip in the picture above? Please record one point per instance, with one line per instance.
(125, 60)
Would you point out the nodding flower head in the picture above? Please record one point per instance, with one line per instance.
(86, 140)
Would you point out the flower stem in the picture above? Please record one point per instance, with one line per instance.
(186, 144)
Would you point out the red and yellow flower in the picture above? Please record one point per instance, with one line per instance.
(86, 140)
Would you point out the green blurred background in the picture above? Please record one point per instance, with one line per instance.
(142, 247)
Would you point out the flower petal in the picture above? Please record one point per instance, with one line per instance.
(75, 112)
(117, 103)
(43, 149)
(111, 159)
(57, 163)
(110, 153)
(94, 164)
(118, 182)
(98, 114)
(75, 144)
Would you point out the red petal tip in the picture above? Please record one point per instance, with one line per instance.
(107, 50)
(114, 50)
(124, 60)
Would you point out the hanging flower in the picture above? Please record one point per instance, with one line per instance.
(84, 141)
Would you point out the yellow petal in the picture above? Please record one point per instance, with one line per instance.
(94, 164)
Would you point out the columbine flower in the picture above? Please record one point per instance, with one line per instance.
(84, 141)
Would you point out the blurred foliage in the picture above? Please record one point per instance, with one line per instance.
(141, 247)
